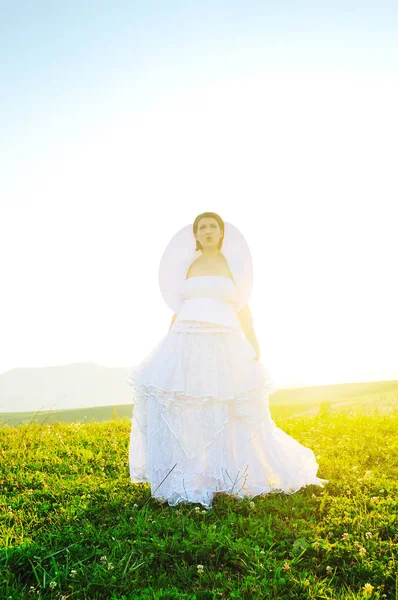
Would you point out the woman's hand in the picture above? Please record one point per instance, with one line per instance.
(257, 350)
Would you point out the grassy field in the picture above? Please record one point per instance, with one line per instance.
(72, 525)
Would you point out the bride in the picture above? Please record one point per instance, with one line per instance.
(201, 422)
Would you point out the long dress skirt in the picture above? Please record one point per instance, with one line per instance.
(201, 422)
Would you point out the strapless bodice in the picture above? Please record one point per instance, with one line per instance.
(211, 299)
(209, 286)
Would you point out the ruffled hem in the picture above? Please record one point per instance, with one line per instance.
(199, 498)
(214, 485)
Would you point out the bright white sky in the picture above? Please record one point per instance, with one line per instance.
(120, 124)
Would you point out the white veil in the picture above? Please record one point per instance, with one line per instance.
(180, 253)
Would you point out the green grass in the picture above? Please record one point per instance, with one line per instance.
(72, 525)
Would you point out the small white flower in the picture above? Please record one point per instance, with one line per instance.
(52, 585)
(368, 535)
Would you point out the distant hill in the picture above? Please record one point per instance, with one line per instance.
(73, 415)
(76, 385)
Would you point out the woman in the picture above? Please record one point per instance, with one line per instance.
(201, 422)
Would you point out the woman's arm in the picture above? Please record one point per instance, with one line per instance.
(246, 322)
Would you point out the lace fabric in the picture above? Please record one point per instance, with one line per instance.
(201, 422)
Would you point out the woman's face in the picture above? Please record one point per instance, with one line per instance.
(208, 232)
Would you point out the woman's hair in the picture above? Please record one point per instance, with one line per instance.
(219, 221)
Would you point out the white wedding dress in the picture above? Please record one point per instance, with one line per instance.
(201, 422)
